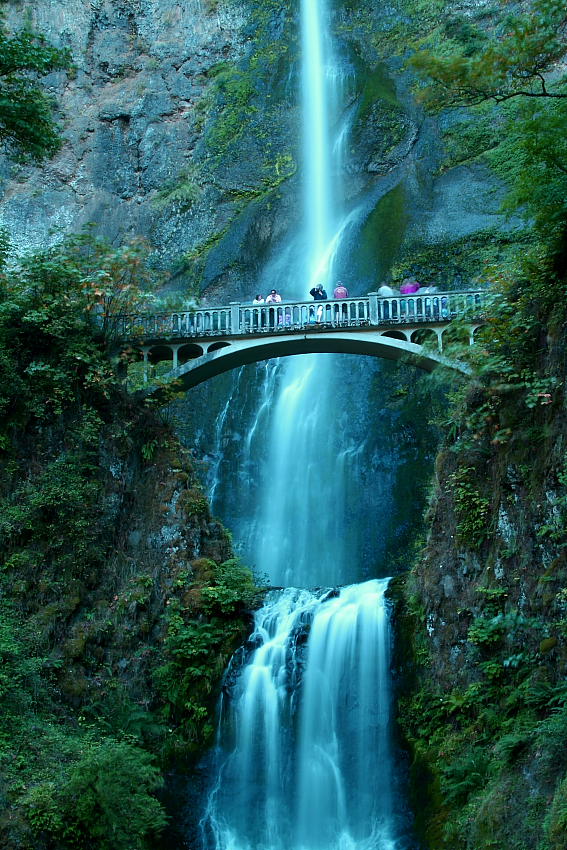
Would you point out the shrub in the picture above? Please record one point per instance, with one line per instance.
(107, 799)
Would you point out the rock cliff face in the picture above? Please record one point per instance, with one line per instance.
(482, 630)
(181, 126)
(130, 113)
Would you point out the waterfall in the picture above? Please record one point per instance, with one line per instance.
(218, 450)
(304, 758)
(303, 528)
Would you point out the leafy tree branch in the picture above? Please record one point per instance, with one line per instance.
(27, 126)
(517, 59)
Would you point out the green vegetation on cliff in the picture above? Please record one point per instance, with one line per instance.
(27, 125)
(120, 602)
(484, 706)
(512, 58)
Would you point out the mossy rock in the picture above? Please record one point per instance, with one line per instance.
(547, 644)
(556, 820)
(194, 502)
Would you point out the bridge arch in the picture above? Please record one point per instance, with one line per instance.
(398, 334)
(159, 353)
(386, 327)
(190, 351)
(426, 335)
(216, 346)
(237, 352)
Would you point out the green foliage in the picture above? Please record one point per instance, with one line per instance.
(474, 66)
(61, 495)
(107, 799)
(55, 309)
(471, 508)
(516, 57)
(113, 281)
(197, 648)
(234, 92)
(183, 192)
(77, 727)
(27, 127)
(467, 140)
(464, 775)
(556, 819)
(532, 159)
(233, 592)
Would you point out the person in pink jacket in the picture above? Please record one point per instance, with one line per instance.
(409, 286)
(340, 290)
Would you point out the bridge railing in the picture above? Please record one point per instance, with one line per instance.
(239, 319)
(434, 307)
(302, 314)
(215, 320)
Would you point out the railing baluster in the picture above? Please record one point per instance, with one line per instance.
(237, 319)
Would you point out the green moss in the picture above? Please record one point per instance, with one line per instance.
(234, 106)
(472, 509)
(381, 237)
(200, 638)
(377, 85)
(462, 262)
(470, 139)
(194, 502)
(184, 191)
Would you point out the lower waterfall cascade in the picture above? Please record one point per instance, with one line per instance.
(304, 757)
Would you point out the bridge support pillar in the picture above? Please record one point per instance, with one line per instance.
(175, 350)
(235, 317)
(373, 308)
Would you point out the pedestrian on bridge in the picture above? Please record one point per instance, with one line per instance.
(318, 294)
(409, 286)
(340, 290)
(258, 299)
(273, 297)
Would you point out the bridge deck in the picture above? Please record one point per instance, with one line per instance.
(244, 320)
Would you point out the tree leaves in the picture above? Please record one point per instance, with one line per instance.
(27, 127)
(516, 59)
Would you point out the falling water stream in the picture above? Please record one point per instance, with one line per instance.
(303, 758)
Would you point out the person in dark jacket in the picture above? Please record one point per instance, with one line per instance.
(318, 294)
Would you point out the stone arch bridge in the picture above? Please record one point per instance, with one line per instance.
(205, 342)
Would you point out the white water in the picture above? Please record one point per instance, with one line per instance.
(214, 472)
(303, 536)
(303, 759)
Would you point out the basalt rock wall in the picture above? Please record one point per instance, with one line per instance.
(181, 125)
